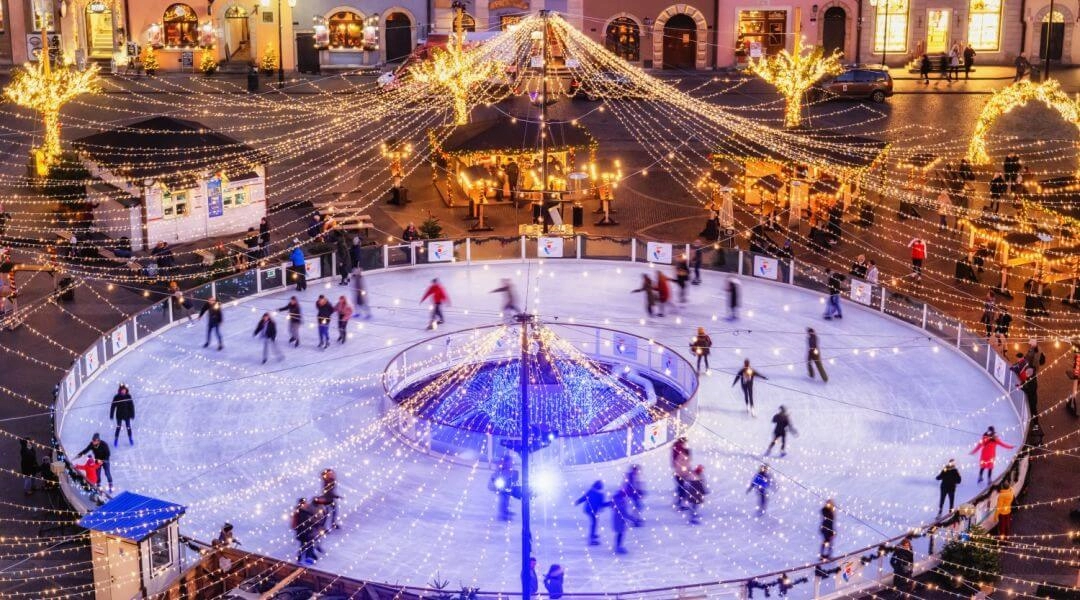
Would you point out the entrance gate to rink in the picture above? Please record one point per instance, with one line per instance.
(855, 572)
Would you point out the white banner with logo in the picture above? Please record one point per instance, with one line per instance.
(313, 268)
(119, 339)
(440, 251)
(91, 361)
(1001, 368)
(767, 268)
(861, 291)
(658, 253)
(549, 247)
(656, 434)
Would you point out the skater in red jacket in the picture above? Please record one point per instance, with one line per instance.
(663, 292)
(438, 297)
(987, 449)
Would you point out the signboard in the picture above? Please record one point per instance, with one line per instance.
(440, 251)
(549, 247)
(119, 340)
(1001, 368)
(214, 205)
(500, 4)
(850, 570)
(658, 253)
(90, 362)
(656, 434)
(69, 384)
(755, 50)
(669, 364)
(766, 268)
(624, 346)
(313, 268)
(861, 291)
(153, 203)
(187, 60)
(322, 36)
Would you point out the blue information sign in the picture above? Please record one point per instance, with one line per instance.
(213, 198)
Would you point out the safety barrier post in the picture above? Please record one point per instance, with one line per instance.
(924, 315)
(386, 256)
(959, 329)
(577, 243)
(791, 272)
(522, 247)
(633, 250)
(740, 262)
(468, 250)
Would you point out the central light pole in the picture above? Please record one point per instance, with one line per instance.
(1049, 36)
(526, 526)
(281, 41)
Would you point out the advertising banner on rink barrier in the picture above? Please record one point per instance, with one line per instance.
(440, 251)
(861, 291)
(1001, 368)
(658, 253)
(549, 247)
(767, 268)
(119, 339)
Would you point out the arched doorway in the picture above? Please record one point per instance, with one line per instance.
(237, 34)
(99, 30)
(834, 30)
(623, 39)
(1052, 36)
(680, 42)
(468, 22)
(398, 36)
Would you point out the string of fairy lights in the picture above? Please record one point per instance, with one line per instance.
(714, 126)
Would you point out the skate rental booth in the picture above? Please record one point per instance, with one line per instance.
(427, 447)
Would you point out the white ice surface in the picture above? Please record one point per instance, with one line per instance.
(236, 440)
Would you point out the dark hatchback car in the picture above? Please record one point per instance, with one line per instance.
(858, 83)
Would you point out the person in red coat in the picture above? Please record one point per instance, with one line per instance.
(438, 297)
(987, 449)
(918, 255)
(663, 292)
(89, 471)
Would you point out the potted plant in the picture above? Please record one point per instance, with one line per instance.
(973, 557)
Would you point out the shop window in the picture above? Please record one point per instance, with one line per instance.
(468, 22)
(891, 26)
(181, 26)
(623, 39)
(346, 30)
(174, 205)
(984, 25)
(764, 30)
(160, 550)
(236, 198)
(42, 16)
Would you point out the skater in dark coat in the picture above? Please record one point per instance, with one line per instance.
(682, 277)
(696, 490)
(650, 293)
(122, 410)
(329, 496)
(593, 502)
(213, 323)
(903, 564)
(621, 514)
(700, 346)
(828, 528)
(101, 453)
(28, 465)
(761, 483)
(733, 299)
(635, 490)
(949, 478)
(294, 319)
(303, 526)
(360, 298)
(745, 377)
(813, 355)
(553, 582)
(781, 427)
(680, 464)
(324, 313)
(506, 288)
(268, 329)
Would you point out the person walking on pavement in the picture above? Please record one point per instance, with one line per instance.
(828, 528)
(344, 312)
(700, 346)
(101, 453)
(593, 502)
(745, 377)
(950, 479)
(761, 483)
(969, 60)
(180, 303)
(943, 64)
(813, 356)
(954, 62)
(988, 313)
(213, 322)
(294, 319)
(438, 297)
(28, 465)
(264, 238)
(987, 449)
(649, 290)
(324, 313)
(781, 426)
(1022, 67)
(924, 69)
(122, 410)
(835, 283)
(506, 288)
(918, 255)
(267, 328)
(360, 299)
(1004, 510)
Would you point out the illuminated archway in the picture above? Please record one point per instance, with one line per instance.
(1015, 96)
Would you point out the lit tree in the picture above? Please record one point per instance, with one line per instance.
(457, 71)
(46, 89)
(269, 59)
(794, 73)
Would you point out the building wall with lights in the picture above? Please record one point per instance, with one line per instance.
(497, 15)
(351, 33)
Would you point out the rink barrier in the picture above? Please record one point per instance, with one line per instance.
(860, 571)
(435, 355)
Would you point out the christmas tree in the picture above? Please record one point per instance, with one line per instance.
(208, 64)
(269, 59)
(150, 61)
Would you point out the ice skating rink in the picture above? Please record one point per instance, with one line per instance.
(239, 441)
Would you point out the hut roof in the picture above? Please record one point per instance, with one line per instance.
(506, 135)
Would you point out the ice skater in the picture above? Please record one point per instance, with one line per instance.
(123, 410)
(553, 582)
(663, 293)
(682, 277)
(698, 250)
(835, 282)
(506, 288)
(294, 319)
(213, 322)
(700, 346)
(267, 329)
(324, 311)
(949, 478)
(344, 312)
(593, 501)
(360, 298)
(299, 266)
(813, 356)
(438, 296)
(504, 482)
(781, 426)
(733, 299)
(101, 454)
(303, 526)
(91, 471)
(180, 303)
(828, 528)
(635, 490)
(649, 290)
(745, 377)
(621, 515)
(329, 496)
(696, 490)
(680, 465)
(987, 449)
(761, 483)
(225, 538)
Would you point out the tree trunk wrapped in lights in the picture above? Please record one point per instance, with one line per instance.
(46, 89)
(794, 73)
(456, 71)
(1015, 96)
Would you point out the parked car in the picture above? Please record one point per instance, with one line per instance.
(606, 84)
(856, 82)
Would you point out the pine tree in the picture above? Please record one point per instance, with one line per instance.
(150, 60)
(269, 60)
(209, 63)
(431, 228)
(975, 556)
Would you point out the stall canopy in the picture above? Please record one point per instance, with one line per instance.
(509, 136)
(132, 516)
(821, 148)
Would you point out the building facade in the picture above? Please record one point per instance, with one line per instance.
(703, 34)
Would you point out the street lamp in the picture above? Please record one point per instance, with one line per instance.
(885, 30)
